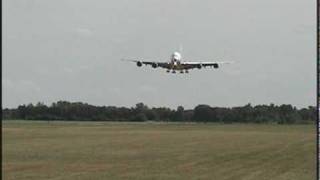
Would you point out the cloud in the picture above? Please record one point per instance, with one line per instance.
(20, 91)
(68, 70)
(84, 32)
(21, 85)
(148, 89)
(115, 90)
(7, 83)
(29, 85)
(74, 69)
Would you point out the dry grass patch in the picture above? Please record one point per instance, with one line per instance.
(64, 150)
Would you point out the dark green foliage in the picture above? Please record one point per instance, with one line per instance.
(203, 113)
(178, 115)
(139, 117)
(78, 111)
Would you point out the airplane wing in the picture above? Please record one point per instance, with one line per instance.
(153, 64)
(199, 65)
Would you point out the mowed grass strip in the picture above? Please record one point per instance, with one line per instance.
(95, 150)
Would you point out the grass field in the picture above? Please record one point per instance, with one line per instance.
(78, 151)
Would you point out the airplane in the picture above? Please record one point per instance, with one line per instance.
(176, 64)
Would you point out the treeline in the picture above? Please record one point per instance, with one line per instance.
(78, 111)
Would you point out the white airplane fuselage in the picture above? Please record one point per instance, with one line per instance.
(175, 60)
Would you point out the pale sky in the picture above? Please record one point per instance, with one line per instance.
(71, 50)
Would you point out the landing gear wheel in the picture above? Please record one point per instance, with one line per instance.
(168, 71)
(173, 71)
(187, 71)
(181, 72)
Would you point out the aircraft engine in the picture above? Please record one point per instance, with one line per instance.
(199, 66)
(154, 65)
(215, 66)
(139, 64)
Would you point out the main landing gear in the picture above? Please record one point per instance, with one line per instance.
(184, 71)
(174, 71)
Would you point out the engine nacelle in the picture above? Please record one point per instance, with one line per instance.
(199, 66)
(215, 66)
(139, 64)
(154, 65)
